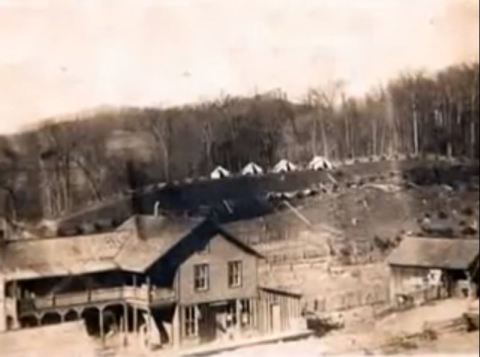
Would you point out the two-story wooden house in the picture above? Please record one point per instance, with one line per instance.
(171, 281)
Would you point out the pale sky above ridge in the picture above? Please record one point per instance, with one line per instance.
(59, 57)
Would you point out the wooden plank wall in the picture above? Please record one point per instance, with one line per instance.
(290, 310)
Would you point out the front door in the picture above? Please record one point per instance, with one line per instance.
(276, 320)
(207, 324)
(214, 322)
(221, 327)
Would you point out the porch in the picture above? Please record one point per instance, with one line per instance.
(144, 296)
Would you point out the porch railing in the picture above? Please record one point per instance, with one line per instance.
(116, 294)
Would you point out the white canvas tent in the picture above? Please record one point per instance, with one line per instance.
(284, 166)
(219, 172)
(320, 163)
(252, 169)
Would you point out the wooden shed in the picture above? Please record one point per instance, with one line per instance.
(425, 268)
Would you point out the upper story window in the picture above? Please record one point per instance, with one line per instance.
(201, 277)
(235, 274)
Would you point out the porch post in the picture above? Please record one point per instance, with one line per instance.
(195, 320)
(176, 327)
(471, 293)
(101, 324)
(149, 326)
(125, 324)
(135, 319)
(134, 283)
(149, 289)
(253, 313)
(238, 315)
(134, 307)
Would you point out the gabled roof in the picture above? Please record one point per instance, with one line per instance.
(28, 259)
(158, 235)
(219, 172)
(252, 169)
(245, 247)
(153, 236)
(320, 163)
(440, 253)
(135, 246)
(284, 166)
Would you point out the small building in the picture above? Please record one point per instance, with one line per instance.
(284, 166)
(252, 169)
(320, 163)
(429, 268)
(219, 172)
(171, 281)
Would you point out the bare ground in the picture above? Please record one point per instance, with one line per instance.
(378, 339)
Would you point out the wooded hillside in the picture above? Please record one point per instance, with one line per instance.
(63, 165)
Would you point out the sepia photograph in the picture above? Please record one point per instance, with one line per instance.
(275, 178)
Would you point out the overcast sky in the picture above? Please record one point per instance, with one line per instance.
(59, 57)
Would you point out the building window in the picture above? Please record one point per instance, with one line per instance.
(231, 317)
(235, 274)
(201, 277)
(190, 322)
(246, 312)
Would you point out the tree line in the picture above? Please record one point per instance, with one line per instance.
(64, 165)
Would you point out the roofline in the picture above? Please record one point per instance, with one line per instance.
(217, 230)
(403, 265)
(10, 276)
(280, 291)
(238, 242)
(57, 237)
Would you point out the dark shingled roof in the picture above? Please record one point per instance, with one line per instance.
(134, 246)
(41, 258)
(155, 236)
(440, 253)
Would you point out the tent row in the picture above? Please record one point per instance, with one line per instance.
(318, 163)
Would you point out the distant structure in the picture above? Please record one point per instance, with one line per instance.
(171, 282)
(429, 268)
(252, 169)
(320, 163)
(284, 166)
(219, 173)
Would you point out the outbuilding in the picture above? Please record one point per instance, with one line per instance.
(284, 166)
(219, 172)
(320, 163)
(252, 169)
(425, 268)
